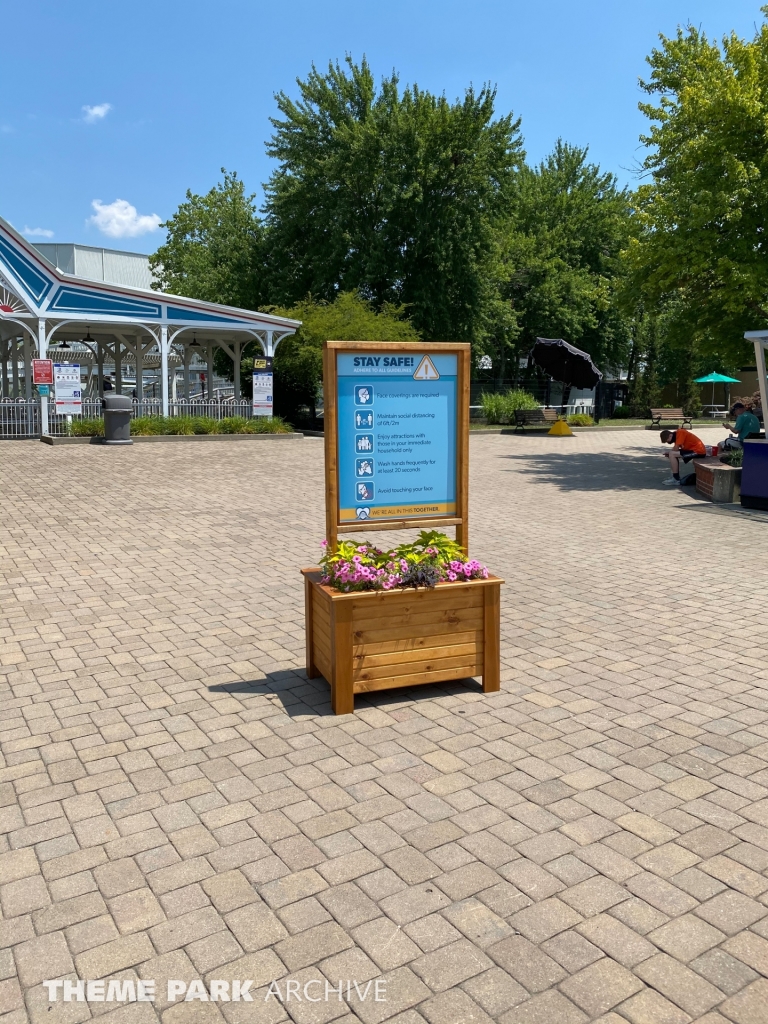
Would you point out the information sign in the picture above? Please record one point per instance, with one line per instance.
(262, 387)
(396, 427)
(42, 371)
(66, 378)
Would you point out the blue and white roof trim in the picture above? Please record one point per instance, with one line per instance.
(49, 293)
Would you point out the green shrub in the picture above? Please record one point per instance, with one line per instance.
(621, 412)
(204, 425)
(187, 425)
(501, 408)
(268, 425)
(86, 428)
(580, 419)
(516, 398)
(493, 408)
(142, 426)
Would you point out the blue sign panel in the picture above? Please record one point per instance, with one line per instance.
(397, 421)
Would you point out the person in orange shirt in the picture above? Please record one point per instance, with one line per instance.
(687, 446)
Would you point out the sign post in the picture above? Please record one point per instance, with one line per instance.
(263, 394)
(397, 457)
(68, 396)
(396, 436)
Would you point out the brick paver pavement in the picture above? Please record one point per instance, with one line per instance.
(177, 802)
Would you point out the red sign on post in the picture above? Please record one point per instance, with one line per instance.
(42, 371)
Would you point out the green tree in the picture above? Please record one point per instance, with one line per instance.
(645, 390)
(564, 268)
(704, 212)
(399, 195)
(298, 364)
(214, 248)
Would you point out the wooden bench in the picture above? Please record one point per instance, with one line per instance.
(669, 416)
(533, 418)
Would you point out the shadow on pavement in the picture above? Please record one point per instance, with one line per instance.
(290, 692)
(634, 470)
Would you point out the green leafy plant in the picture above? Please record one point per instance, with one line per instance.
(621, 412)
(188, 425)
(86, 427)
(268, 425)
(431, 558)
(736, 457)
(580, 419)
(500, 407)
(143, 426)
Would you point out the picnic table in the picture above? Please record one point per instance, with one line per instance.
(715, 410)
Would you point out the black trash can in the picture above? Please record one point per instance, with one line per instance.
(117, 419)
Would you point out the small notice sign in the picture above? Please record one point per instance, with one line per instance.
(69, 395)
(263, 397)
(42, 371)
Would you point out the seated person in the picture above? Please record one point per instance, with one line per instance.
(687, 447)
(746, 424)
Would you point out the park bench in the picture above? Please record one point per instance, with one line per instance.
(669, 416)
(533, 418)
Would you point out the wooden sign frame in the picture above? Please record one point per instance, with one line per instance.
(331, 350)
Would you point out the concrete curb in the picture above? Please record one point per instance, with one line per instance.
(49, 439)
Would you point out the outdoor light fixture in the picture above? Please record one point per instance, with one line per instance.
(65, 344)
(194, 340)
(88, 338)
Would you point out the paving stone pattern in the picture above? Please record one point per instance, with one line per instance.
(177, 801)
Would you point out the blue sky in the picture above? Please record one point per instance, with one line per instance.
(136, 102)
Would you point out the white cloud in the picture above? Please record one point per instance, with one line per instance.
(121, 220)
(37, 232)
(93, 114)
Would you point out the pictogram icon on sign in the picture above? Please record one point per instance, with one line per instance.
(426, 370)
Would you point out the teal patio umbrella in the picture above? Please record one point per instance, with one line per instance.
(716, 378)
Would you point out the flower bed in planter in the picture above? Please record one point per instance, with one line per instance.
(378, 640)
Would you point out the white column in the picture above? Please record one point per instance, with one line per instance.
(270, 347)
(236, 361)
(139, 373)
(185, 348)
(42, 350)
(118, 367)
(210, 371)
(164, 367)
(15, 366)
(27, 369)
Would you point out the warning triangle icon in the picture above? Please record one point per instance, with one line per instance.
(426, 370)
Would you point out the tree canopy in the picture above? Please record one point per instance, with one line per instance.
(570, 224)
(396, 213)
(396, 194)
(704, 212)
(213, 250)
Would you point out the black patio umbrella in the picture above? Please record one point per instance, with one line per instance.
(565, 363)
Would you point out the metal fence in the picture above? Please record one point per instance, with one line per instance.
(20, 418)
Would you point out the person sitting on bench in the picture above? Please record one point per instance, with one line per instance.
(746, 424)
(687, 446)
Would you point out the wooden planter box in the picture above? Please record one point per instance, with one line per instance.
(380, 640)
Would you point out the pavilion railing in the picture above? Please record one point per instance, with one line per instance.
(20, 418)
